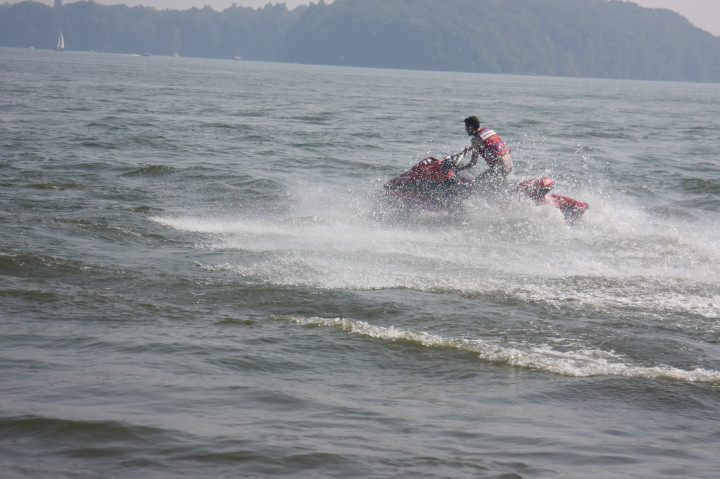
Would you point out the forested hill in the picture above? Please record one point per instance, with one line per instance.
(592, 38)
(595, 38)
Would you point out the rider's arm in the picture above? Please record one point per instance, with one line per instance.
(470, 164)
(474, 158)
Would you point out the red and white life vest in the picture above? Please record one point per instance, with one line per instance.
(491, 146)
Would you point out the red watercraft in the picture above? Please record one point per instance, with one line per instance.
(433, 184)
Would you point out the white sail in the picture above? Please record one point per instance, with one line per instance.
(60, 43)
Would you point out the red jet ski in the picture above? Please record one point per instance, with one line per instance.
(433, 184)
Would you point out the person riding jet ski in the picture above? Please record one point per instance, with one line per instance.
(488, 144)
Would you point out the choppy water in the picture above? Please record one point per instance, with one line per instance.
(197, 279)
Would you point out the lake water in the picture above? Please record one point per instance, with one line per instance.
(197, 278)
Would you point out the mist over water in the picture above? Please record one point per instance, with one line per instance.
(200, 277)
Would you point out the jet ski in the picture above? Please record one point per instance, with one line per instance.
(433, 184)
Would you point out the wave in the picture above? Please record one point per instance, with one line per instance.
(576, 363)
(23, 263)
(153, 170)
(59, 186)
(64, 429)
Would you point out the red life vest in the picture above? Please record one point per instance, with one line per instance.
(492, 148)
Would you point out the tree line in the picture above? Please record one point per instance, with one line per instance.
(592, 38)
(255, 34)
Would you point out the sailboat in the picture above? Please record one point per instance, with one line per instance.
(60, 43)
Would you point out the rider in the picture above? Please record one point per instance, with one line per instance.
(486, 143)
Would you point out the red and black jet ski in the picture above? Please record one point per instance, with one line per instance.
(433, 184)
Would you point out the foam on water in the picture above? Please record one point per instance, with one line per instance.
(618, 257)
(579, 362)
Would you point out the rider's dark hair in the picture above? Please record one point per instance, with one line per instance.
(472, 121)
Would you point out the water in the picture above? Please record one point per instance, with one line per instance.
(198, 280)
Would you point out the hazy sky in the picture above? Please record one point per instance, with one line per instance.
(702, 13)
